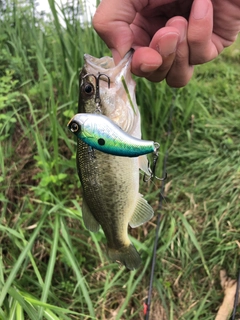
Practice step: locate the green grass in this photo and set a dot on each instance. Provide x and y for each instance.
(51, 267)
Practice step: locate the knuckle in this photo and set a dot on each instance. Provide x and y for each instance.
(99, 23)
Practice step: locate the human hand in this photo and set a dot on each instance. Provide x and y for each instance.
(169, 36)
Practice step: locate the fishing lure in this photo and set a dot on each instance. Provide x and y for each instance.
(101, 133)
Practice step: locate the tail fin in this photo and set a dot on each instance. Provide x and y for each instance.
(128, 256)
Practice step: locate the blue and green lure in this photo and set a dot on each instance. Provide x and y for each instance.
(101, 133)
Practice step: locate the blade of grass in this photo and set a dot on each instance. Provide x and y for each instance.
(195, 242)
(23, 304)
(3, 316)
(80, 278)
(20, 260)
(19, 312)
(48, 308)
(131, 286)
(52, 261)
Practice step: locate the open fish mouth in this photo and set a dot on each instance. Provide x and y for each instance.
(106, 63)
(114, 90)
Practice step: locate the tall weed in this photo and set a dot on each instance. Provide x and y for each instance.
(50, 266)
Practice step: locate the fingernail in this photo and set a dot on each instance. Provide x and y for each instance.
(200, 9)
(172, 45)
(183, 32)
(181, 25)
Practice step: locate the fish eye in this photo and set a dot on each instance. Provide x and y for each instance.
(88, 89)
(74, 127)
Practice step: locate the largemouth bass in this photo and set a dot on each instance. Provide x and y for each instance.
(111, 183)
(101, 133)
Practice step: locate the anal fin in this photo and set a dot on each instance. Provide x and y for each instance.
(89, 221)
(142, 213)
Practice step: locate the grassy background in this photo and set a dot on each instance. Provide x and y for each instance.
(50, 266)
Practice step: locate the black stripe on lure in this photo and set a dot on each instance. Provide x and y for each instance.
(101, 133)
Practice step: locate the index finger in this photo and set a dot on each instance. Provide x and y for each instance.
(112, 22)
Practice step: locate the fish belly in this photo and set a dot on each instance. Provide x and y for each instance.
(110, 190)
(110, 185)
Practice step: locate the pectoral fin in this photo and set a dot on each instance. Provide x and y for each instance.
(144, 164)
(90, 222)
(142, 213)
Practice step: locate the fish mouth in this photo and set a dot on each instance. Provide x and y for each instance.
(107, 65)
(116, 90)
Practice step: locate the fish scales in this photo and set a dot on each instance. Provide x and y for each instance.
(111, 183)
(102, 174)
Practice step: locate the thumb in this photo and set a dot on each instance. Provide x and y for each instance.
(112, 22)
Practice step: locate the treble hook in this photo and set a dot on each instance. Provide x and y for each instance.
(152, 171)
(97, 79)
(97, 96)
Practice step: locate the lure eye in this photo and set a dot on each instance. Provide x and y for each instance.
(101, 141)
(88, 89)
(74, 127)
